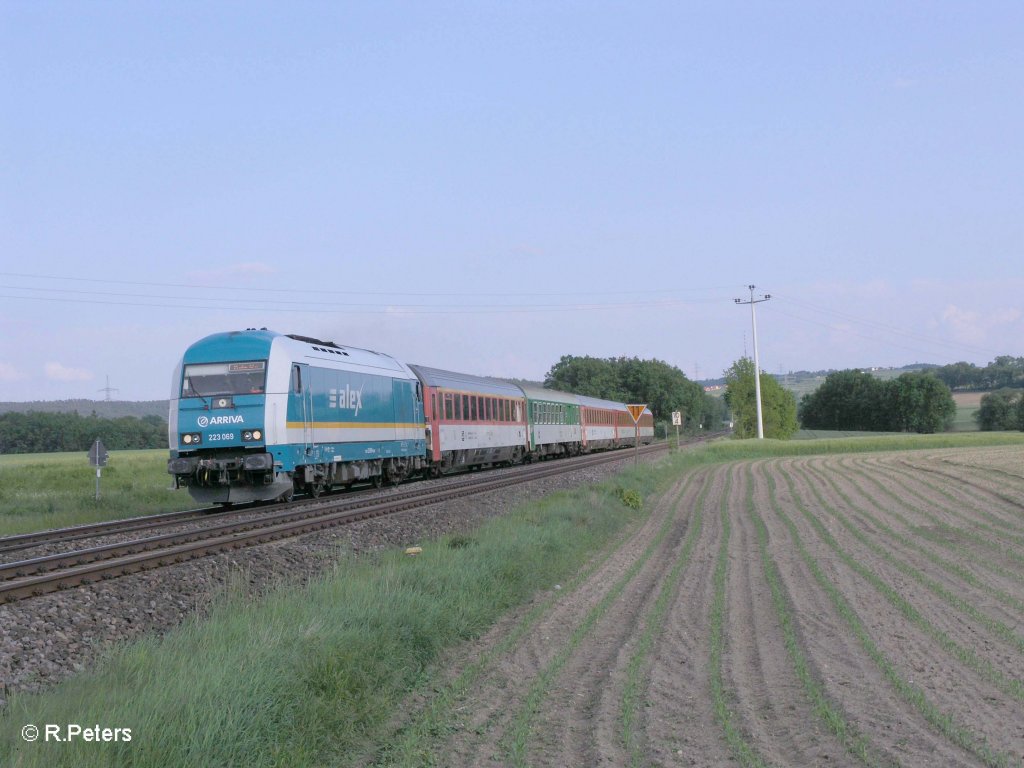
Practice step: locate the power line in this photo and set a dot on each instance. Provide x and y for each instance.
(360, 292)
(394, 309)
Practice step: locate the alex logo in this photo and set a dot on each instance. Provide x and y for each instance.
(347, 399)
(207, 421)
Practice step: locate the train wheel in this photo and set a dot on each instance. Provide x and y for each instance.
(377, 481)
(315, 489)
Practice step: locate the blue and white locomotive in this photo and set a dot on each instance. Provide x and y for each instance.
(256, 415)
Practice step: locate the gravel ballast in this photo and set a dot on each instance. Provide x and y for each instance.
(46, 639)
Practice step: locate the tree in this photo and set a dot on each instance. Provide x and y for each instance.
(1001, 410)
(778, 406)
(35, 432)
(663, 387)
(1004, 371)
(919, 402)
(846, 400)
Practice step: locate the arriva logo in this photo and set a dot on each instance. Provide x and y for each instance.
(347, 398)
(205, 421)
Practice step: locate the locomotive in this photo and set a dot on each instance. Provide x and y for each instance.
(256, 416)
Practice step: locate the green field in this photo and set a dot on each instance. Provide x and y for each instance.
(55, 490)
(966, 404)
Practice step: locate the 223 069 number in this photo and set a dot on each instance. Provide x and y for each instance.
(220, 437)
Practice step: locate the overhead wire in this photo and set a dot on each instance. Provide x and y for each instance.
(507, 303)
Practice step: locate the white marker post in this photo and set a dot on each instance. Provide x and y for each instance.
(677, 419)
(98, 458)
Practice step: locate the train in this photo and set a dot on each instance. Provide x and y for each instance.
(257, 415)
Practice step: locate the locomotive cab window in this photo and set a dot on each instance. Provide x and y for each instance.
(210, 379)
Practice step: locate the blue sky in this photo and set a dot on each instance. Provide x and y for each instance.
(487, 186)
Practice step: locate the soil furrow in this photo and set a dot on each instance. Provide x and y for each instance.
(951, 578)
(771, 702)
(491, 706)
(937, 521)
(978, 709)
(978, 553)
(678, 725)
(579, 720)
(969, 501)
(852, 676)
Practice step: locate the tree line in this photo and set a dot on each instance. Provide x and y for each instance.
(663, 387)
(855, 400)
(1004, 371)
(36, 432)
(1001, 410)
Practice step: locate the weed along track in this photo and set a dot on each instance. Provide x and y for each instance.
(820, 610)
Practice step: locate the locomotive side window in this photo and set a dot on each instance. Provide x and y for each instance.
(296, 379)
(210, 379)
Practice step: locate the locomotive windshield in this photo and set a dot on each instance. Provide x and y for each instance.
(210, 379)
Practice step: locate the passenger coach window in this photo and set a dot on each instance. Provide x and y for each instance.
(448, 414)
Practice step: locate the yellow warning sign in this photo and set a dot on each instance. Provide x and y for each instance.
(636, 411)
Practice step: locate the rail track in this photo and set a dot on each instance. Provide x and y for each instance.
(41, 575)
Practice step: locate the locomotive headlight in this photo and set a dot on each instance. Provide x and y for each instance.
(191, 438)
(251, 435)
(186, 439)
(257, 435)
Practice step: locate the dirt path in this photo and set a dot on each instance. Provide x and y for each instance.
(783, 612)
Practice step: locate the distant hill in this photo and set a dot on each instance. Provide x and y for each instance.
(106, 409)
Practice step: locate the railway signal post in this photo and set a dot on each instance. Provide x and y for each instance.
(98, 458)
(677, 419)
(636, 411)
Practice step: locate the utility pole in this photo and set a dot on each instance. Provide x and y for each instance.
(757, 365)
(108, 389)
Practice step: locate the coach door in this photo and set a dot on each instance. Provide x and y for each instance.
(302, 392)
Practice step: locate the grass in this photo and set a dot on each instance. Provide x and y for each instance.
(966, 404)
(55, 490)
(307, 676)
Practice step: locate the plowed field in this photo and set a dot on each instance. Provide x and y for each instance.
(839, 610)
